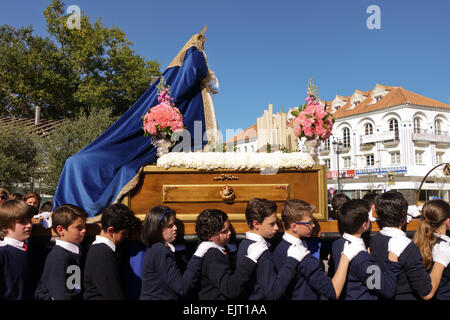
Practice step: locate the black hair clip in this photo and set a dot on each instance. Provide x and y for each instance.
(166, 211)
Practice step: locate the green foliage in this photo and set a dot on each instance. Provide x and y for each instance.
(69, 138)
(90, 68)
(18, 154)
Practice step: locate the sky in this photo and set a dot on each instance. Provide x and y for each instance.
(264, 52)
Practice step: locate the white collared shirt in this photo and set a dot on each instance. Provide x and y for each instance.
(291, 239)
(68, 246)
(352, 239)
(254, 237)
(14, 243)
(101, 239)
(392, 232)
(171, 247)
(222, 249)
(443, 237)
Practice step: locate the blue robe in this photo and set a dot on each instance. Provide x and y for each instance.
(94, 177)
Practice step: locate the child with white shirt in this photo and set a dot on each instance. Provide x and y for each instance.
(311, 282)
(266, 283)
(161, 277)
(365, 280)
(413, 280)
(62, 274)
(102, 271)
(219, 279)
(15, 269)
(434, 244)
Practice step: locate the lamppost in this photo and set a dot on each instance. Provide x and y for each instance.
(337, 148)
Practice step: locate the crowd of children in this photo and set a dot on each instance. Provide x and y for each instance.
(392, 266)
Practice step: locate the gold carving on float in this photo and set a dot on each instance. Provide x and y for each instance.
(224, 177)
(227, 193)
(167, 188)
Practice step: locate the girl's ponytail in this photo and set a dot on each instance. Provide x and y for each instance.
(434, 213)
(425, 240)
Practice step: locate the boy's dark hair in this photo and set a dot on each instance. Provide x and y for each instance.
(120, 217)
(209, 222)
(66, 214)
(156, 220)
(352, 215)
(338, 201)
(46, 207)
(370, 197)
(295, 210)
(391, 208)
(12, 211)
(258, 209)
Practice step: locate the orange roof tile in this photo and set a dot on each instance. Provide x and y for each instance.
(250, 132)
(395, 97)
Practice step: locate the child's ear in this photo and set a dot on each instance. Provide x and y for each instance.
(293, 227)
(365, 226)
(59, 230)
(255, 224)
(110, 230)
(4, 232)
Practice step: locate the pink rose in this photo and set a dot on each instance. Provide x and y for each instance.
(165, 116)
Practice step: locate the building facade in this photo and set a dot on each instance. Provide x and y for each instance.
(387, 138)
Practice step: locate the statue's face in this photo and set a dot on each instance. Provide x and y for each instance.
(203, 40)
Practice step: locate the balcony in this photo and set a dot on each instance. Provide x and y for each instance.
(324, 149)
(431, 136)
(365, 145)
(385, 137)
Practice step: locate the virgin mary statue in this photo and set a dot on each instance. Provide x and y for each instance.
(105, 170)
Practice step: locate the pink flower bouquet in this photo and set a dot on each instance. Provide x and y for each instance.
(312, 119)
(164, 119)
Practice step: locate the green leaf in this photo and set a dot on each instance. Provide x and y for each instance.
(71, 70)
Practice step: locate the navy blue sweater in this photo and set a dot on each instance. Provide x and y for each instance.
(15, 279)
(310, 282)
(413, 280)
(443, 292)
(55, 277)
(265, 283)
(360, 269)
(218, 280)
(161, 277)
(102, 277)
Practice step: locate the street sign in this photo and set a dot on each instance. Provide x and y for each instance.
(331, 190)
(342, 174)
(402, 169)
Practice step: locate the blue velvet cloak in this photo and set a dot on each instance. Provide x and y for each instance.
(94, 177)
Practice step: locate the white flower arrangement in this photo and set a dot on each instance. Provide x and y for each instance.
(236, 161)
